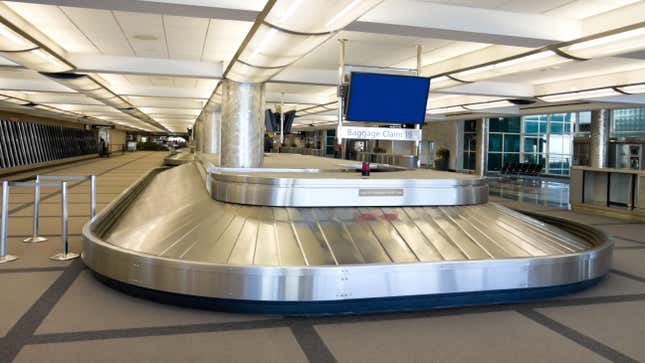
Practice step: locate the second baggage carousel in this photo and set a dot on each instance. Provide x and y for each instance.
(166, 238)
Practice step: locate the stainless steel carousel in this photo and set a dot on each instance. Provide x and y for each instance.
(310, 235)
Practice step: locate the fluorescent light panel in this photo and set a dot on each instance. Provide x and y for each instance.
(633, 89)
(488, 105)
(579, 95)
(445, 110)
(530, 62)
(623, 42)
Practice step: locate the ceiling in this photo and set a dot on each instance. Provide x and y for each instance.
(166, 57)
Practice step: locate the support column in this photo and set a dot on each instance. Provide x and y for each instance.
(242, 125)
(599, 138)
(211, 131)
(482, 147)
(197, 132)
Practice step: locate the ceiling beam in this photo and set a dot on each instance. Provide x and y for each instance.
(33, 85)
(96, 63)
(432, 20)
(491, 88)
(600, 81)
(158, 7)
(153, 91)
(300, 98)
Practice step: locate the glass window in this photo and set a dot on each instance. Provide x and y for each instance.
(531, 127)
(550, 147)
(470, 126)
(628, 122)
(494, 161)
(511, 143)
(531, 145)
(495, 142)
(504, 124)
(511, 158)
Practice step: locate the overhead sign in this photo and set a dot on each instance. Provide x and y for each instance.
(379, 133)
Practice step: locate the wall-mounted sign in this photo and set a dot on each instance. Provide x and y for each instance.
(379, 133)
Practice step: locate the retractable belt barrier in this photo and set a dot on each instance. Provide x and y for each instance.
(35, 238)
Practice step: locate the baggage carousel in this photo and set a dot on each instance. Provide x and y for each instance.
(323, 240)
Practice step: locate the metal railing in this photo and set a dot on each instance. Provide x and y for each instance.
(35, 238)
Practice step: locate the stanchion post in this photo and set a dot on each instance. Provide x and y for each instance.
(92, 196)
(35, 238)
(65, 255)
(4, 257)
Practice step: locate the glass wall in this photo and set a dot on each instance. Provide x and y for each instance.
(470, 144)
(628, 122)
(503, 142)
(559, 143)
(536, 139)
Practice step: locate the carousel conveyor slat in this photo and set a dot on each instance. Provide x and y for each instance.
(184, 222)
(166, 234)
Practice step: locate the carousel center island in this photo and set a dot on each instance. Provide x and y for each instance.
(308, 235)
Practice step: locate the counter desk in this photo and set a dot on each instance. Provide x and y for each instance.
(608, 191)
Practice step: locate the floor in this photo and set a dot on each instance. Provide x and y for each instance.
(57, 312)
(543, 191)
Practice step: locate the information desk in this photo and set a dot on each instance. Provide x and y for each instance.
(607, 191)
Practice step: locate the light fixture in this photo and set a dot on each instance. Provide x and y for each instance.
(90, 87)
(15, 101)
(17, 48)
(542, 59)
(579, 95)
(10, 41)
(445, 110)
(633, 89)
(318, 16)
(488, 105)
(630, 40)
(443, 82)
(38, 60)
(288, 31)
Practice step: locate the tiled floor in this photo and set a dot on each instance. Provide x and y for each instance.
(57, 312)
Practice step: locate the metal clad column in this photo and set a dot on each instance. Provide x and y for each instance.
(599, 137)
(211, 131)
(482, 147)
(199, 140)
(242, 128)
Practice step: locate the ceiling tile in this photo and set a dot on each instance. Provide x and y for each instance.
(186, 37)
(145, 32)
(100, 27)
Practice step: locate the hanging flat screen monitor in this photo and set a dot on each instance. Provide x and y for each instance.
(269, 121)
(387, 98)
(288, 121)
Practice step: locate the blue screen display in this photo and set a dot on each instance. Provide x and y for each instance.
(387, 98)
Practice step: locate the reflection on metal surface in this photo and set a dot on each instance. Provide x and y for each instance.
(184, 242)
(242, 124)
(335, 183)
(180, 158)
